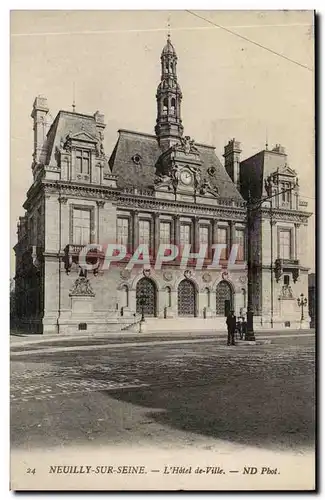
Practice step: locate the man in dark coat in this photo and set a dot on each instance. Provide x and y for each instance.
(231, 326)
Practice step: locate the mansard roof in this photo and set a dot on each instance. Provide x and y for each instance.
(255, 169)
(141, 174)
(72, 123)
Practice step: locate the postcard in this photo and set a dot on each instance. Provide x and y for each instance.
(162, 293)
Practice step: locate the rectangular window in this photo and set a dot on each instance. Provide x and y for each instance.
(285, 244)
(82, 161)
(165, 232)
(144, 232)
(240, 241)
(223, 239)
(81, 226)
(185, 234)
(204, 235)
(286, 194)
(123, 231)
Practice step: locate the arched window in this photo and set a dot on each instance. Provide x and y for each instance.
(172, 106)
(165, 106)
(168, 296)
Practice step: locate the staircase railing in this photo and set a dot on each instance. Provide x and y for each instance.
(130, 325)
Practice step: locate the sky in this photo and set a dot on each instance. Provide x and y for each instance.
(232, 88)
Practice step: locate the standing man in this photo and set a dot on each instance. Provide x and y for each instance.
(231, 326)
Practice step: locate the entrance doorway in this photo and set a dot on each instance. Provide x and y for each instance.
(224, 299)
(146, 296)
(186, 295)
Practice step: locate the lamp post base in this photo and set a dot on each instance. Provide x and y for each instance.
(142, 326)
(249, 335)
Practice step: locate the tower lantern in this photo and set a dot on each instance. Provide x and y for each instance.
(169, 126)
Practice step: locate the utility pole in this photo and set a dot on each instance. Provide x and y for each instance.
(252, 206)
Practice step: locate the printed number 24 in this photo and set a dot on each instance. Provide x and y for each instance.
(31, 471)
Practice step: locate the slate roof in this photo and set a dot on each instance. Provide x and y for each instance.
(254, 170)
(143, 175)
(67, 122)
(129, 144)
(128, 173)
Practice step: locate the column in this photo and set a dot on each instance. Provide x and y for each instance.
(176, 230)
(64, 222)
(232, 235)
(135, 230)
(196, 231)
(214, 231)
(100, 204)
(295, 250)
(214, 236)
(156, 233)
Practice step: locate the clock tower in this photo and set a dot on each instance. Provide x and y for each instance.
(179, 167)
(169, 126)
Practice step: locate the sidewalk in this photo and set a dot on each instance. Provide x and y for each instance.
(127, 337)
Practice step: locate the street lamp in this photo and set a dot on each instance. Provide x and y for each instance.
(142, 301)
(302, 302)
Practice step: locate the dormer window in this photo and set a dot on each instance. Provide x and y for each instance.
(286, 194)
(82, 161)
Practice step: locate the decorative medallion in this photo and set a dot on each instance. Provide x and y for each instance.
(146, 272)
(188, 273)
(243, 279)
(211, 170)
(225, 275)
(125, 274)
(168, 276)
(82, 287)
(206, 277)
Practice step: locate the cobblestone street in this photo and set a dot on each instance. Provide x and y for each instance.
(187, 394)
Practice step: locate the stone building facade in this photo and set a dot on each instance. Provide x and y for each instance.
(152, 189)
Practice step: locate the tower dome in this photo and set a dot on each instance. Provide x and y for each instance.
(169, 48)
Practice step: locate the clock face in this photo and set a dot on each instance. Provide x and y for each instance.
(186, 177)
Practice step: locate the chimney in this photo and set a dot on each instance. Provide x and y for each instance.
(279, 149)
(232, 160)
(39, 112)
(100, 122)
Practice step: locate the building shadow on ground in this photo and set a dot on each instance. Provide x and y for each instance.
(254, 400)
(261, 413)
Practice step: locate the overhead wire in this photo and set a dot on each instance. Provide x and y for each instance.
(249, 40)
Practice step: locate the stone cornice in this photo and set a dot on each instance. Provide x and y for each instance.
(230, 213)
(116, 195)
(286, 215)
